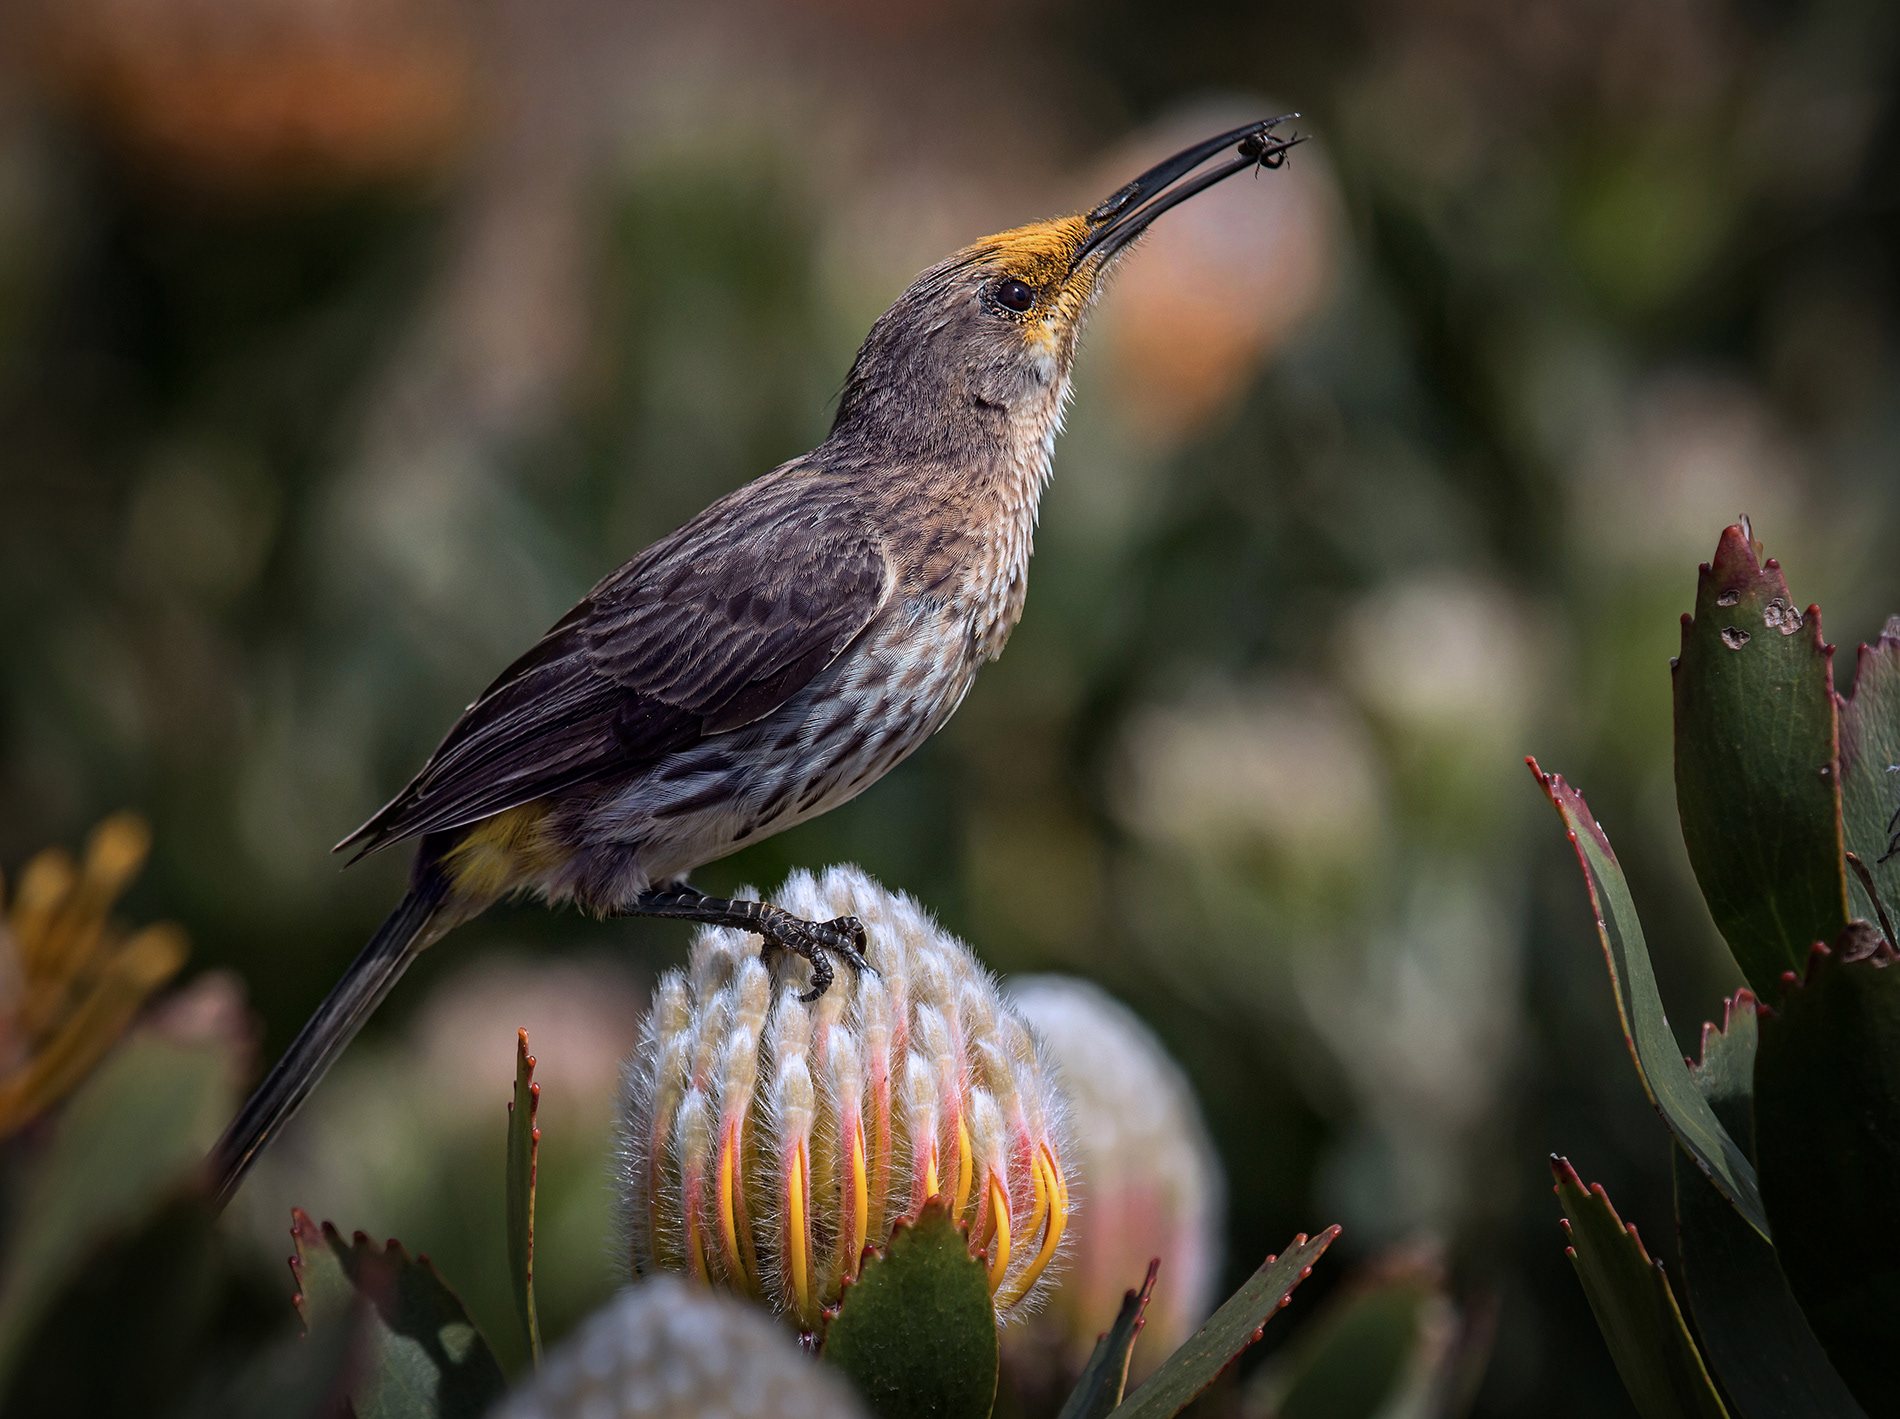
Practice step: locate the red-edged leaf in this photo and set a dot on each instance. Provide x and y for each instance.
(1652, 1044)
(1870, 786)
(1099, 1389)
(423, 1357)
(1634, 1307)
(1230, 1330)
(1385, 1342)
(524, 1142)
(1757, 763)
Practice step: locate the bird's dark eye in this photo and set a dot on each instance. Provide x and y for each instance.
(1014, 295)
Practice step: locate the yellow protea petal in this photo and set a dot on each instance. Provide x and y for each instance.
(1058, 1191)
(728, 1222)
(999, 1216)
(1039, 1206)
(880, 1142)
(966, 1168)
(796, 1221)
(860, 1184)
(742, 1213)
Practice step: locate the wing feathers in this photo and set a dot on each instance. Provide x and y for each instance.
(710, 629)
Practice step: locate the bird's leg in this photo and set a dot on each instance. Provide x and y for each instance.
(842, 936)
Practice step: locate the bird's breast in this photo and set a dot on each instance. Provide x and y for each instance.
(977, 572)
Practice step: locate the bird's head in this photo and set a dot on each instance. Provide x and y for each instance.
(980, 347)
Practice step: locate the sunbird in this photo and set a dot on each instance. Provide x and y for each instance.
(778, 654)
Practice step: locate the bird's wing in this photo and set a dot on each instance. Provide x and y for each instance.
(708, 630)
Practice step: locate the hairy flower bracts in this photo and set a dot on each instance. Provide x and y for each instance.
(767, 1142)
(668, 1350)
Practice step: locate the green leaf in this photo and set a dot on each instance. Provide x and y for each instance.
(1757, 1341)
(1099, 1389)
(1353, 1359)
(132, 1136)
(916, 1331)
(424, 1358)
(1634, 1307)
(524, 1139)
(299, 1377)
(1870, 747)
(1363, 1352)
(1757, 763)
(1230, 1330)
(1827, 1131)
(325, 1292)
(1652, 1044)
(1725, 1074)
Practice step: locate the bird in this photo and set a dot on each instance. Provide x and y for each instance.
(778, 653)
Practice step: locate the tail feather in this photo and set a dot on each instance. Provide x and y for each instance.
(324, 1036)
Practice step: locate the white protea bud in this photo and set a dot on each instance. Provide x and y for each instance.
(766, 1142)
(664, 1349)
(1155, 1186)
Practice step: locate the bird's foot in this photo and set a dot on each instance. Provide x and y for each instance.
(816, 941)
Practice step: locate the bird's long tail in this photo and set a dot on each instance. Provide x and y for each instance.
(354, 999)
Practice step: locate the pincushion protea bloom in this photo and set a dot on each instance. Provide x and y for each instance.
(766, 1141)
(668, 1350)
(1155, 1185)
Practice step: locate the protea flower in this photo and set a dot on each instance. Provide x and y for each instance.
(1155, 1186)
(668, 1350)
(767, 1142)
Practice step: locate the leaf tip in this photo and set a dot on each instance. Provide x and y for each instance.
(1142, 1296)
(1566, 1175)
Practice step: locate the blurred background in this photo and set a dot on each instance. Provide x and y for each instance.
(344, 343)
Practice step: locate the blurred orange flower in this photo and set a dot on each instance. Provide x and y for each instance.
(71, 980)
(265, 93)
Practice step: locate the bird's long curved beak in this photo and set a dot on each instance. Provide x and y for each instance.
(1126, 214)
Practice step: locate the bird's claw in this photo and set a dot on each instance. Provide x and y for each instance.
(817, 941)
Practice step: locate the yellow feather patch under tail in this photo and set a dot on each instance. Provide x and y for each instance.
(504, 852)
